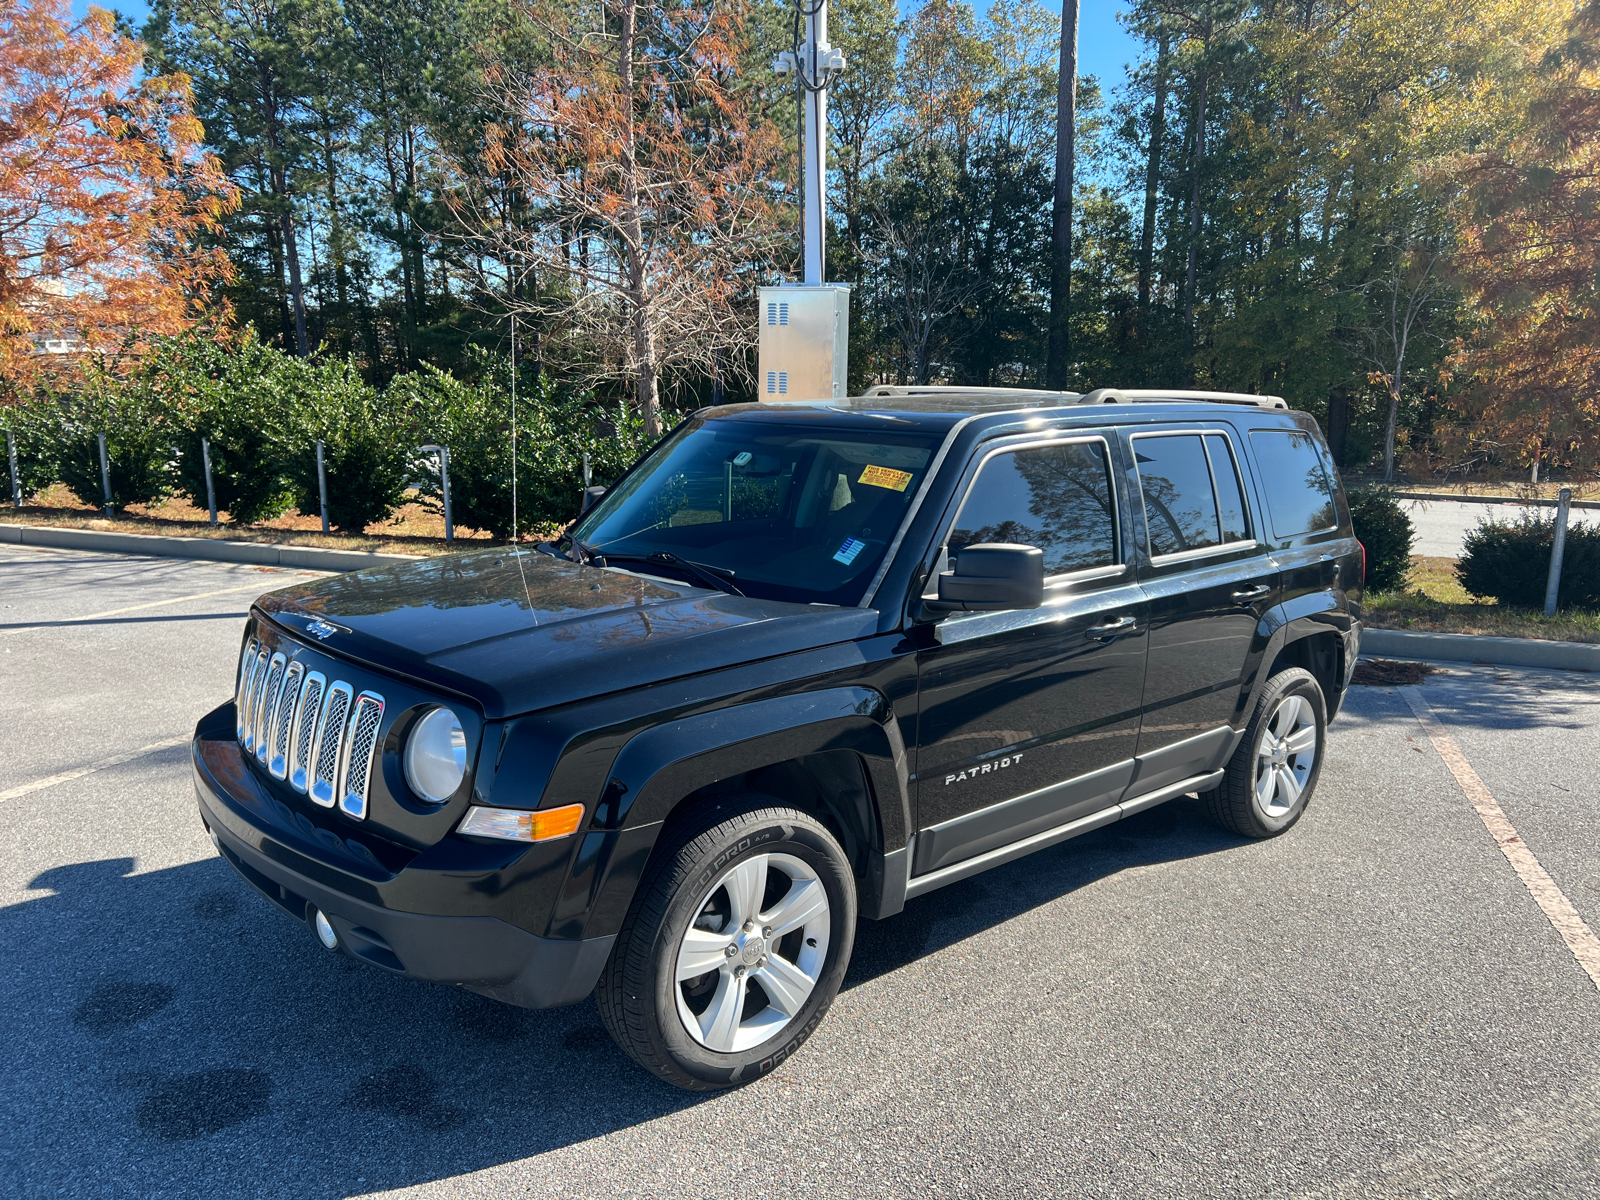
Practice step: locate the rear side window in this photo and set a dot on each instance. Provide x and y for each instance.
(1299, 492)
(1180, 508)
(1230, 493)
(1057, 498)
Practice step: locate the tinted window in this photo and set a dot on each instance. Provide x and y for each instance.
(788, 510)
(1057, 498)
(1299, 494)
(1230, 492)
(1179, 508)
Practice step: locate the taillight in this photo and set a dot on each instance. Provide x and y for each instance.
(1363, 563)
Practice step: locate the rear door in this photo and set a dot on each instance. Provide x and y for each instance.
(1210, 579)
(1030, 718)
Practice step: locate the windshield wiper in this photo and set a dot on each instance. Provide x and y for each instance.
(707, 575)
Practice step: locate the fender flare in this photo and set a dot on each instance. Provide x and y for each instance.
(1294, 621)
(659, 766)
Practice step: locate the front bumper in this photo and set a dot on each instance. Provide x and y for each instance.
(483, 953)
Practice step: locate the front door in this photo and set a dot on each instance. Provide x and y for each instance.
(1210, 578)
(1029, 719)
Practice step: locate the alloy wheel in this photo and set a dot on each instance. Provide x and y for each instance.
(1287, 753)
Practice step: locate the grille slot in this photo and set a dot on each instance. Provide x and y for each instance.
(267, 709)
(283, 720)
(362, 740)
(241, 696)
(305, 729)
(252, 704)
(325, 754)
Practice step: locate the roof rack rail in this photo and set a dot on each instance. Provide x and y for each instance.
(1156, 395)
(953, 389)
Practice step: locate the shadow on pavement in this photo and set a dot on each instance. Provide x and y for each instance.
(217, 1050)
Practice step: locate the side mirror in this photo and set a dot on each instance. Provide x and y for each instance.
(591, 497)
(992, 577)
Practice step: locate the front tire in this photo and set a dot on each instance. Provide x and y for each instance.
(1270, 778)
(734, 947)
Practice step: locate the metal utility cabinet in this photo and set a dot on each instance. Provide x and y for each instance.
(804, 342)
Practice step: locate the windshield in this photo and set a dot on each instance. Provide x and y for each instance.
(782, 512)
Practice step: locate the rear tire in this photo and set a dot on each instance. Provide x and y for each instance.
(1270, 778)
(734, 947)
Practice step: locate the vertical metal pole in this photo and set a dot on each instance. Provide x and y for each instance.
(1557, 551)
(105, 472)
(211, 492)
(444, 482)
(16, 480)
(322, 486)
(586, 475)
(814, 197)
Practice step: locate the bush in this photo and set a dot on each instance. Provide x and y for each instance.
(1510, 561)
(554, 429)
(230, 397)
(367, 438)
(1383, 527)
(139, 440)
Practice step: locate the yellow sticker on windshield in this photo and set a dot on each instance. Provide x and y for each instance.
(885, 477)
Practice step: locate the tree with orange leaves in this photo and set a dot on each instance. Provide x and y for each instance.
(634, 201)
(1530, 266)
(105, 193)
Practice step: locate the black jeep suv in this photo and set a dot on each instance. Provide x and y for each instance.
(802, 663)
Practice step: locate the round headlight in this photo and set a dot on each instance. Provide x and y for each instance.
(436, 756)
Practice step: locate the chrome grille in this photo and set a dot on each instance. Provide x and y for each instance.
(252, 703)
(283, 720)
(247, 670)
(325, 754)
(360, 742)
(305, 729)
(262, 717)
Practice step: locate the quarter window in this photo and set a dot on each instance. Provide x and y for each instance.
(1057, 498)
(1230, 492)
(1299, 492)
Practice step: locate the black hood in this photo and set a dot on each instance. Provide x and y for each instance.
(519, 632)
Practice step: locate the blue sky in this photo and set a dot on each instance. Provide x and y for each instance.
(1104, 47)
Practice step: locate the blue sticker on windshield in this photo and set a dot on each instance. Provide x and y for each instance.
(848, 552)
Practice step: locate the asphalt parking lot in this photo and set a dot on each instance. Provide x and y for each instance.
(1373, 1005)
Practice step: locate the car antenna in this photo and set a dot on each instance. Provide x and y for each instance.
(516, 541)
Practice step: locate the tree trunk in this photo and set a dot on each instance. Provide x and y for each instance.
(1197, 169)
(1338, 422)
(1152, 178)
(1388, 435)
(1060, 348)
(278, 179)
(644, 347)
(296, 290)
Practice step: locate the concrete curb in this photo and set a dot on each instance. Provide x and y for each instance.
(265, 554)
(1511, 500)
(1466, 647)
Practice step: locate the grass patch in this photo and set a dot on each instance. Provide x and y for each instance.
(1433, 601)
(413, 529)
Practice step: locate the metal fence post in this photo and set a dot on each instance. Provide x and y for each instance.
(16, 479)
(1558, 550)
(444, 485)
(322, 486)
(211, 492)
(105, 472)
(586, 478)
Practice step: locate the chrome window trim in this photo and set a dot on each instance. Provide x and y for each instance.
(282, 728)
(1159, 560)
(349, 802)
(1066, 578)
(964, 627)
(299, 771)
(323, 789)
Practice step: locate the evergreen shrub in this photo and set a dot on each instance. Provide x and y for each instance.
(1510, 561)
(1382, 526)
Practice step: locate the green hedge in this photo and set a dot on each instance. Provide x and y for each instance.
(1510, 561)
(1382, 526)
(262, 413)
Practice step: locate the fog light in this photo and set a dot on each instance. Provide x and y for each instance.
(520, 825)
(326, 933)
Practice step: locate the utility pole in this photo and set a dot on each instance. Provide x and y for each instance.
(805, 329)
(1060, 347)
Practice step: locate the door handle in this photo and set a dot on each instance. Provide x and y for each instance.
(1255, 593)
(1112, 629)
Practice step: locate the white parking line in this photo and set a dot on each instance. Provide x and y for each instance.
(1580, 939)
(79, 772)
(116, 612)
